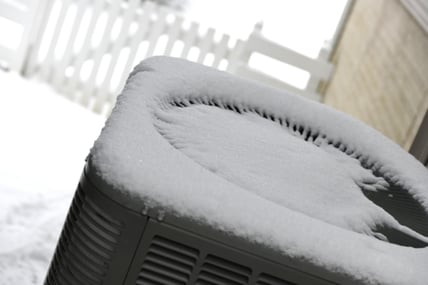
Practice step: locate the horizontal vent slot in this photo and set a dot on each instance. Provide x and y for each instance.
(265, 279)
(216, 270)
(167, 262)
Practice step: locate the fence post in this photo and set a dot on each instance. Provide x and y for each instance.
(89, 91)
(29, 16)
(242, 51)
(143, 25)
(105, 87)
(36, 36)
(314, 80)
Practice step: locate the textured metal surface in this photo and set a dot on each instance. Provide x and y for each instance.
(168, 254)
(105, 243)
(216, 270)
(98, 240)
(167, 262)
(86, 246)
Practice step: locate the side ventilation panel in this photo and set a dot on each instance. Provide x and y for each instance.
(86, 246)
(169, 255)
(167, 262)
(216, 270)
(104, 243)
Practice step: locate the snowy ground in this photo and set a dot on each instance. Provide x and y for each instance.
(44, 141)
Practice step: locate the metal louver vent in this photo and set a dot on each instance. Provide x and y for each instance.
(167, 262)
(265, 279)
(86, 245)
(216, 270)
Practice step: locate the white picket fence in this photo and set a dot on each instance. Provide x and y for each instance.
(86, 48)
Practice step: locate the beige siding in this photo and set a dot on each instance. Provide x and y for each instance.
(382, 69)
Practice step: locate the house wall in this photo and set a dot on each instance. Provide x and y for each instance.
(381, 72)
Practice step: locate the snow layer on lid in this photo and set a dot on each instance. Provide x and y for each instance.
(222, 150)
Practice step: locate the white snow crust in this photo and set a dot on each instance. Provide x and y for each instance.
(44, 141)
(228, 152)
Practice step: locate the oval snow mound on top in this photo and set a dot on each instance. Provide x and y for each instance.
(267, 159)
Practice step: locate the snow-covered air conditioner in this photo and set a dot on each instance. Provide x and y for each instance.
(200, 177)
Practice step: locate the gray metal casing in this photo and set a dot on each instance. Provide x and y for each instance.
(111, 239)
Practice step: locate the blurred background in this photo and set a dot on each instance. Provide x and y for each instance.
(366, 58)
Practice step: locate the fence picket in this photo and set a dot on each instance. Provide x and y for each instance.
(237, 55)
(59, 75)
(118, 45)
(314, 80)
(48, 64)
(205, 45)
(220, 50)
(157, 30)
(143, 27)
(173, 33)
(83, 54)
(113, 13)
(36, 36)
(189, 39)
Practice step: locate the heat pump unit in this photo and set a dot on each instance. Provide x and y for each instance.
(200, 177)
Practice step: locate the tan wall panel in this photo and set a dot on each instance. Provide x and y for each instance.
(381, 72)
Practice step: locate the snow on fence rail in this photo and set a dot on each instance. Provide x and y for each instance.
(86, 48)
